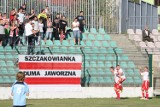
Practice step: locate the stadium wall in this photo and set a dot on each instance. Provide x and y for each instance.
(74, 92)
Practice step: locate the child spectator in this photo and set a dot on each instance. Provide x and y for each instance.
(41, 25)
(49, 29)
(2, 31)
(61, 36)
(19, 91)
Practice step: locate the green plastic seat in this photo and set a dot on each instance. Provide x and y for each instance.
(100, 64)
(97, 44)
(107, 37)
(102, 50)
(93, 64)
(65, 43)
(101, 57)
(119, 51)
(108, 64)
(2, 56)
(123, 64)
(91, 37)
(93, 30)
(2, 49)
(99, 37)
(130, 72)
(87, 64)
(93, 80)
(8, 48)
(89, 43)
(101, 80)
(10, 63)
(110, 51)
(101, 71)
(64, 50)
(129, 80)
(108, 72)
(3, 71)
(82, 43)
(42, 43)
(101, 31)
(6, 79)
(105, 44)
(12, 79)
(110, 58)
(11, 71)
(9, 56)
(3, 64)
(137, 80)
(49, 43)
(131, 65)
(108, 80)
(57, 43)
(94, 57)
(113, 44)
(124, 57)
(95, 50)
(84, 37)
(87, 57)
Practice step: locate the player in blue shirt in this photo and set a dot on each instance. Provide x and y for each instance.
(19, 91)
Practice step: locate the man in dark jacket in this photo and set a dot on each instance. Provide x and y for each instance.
(146, 35)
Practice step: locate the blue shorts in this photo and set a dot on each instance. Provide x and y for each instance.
(76, 34)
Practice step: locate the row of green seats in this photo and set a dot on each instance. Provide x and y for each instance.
(7, 79)
(88, 43)
(8, 71)
(108, 57)
(109, 64)
(109, 80)
(6, 63)
(100, 30)
(96, 37)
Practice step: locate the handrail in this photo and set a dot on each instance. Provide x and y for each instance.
(116, 56)
(147, 52)
(84, 67)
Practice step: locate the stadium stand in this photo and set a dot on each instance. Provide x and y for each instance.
(99, 54)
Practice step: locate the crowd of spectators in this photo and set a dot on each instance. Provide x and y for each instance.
(36, 27)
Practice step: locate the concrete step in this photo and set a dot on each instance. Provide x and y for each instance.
(130, 49)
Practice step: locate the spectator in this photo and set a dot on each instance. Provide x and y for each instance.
(55, 29)
(2, 31)
(43, 16)
(41, 25)
(29, 32)
(81, 21)
(76, 31)
(49, 29)
(63, 24)
(36, 28)
(21, 17)
(47, 10)
(12, 14)
(146, 35)
(23, 7)
(32, 14)
(13, 35)
(61, 36)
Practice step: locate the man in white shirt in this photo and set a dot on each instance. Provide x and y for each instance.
(21, 16)
(145, 82)
(76, 31)
(122, 76)
(29, 32)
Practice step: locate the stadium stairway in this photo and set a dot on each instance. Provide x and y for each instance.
(99, 55)
(130, 49)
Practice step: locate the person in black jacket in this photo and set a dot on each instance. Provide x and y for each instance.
(146, 35)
